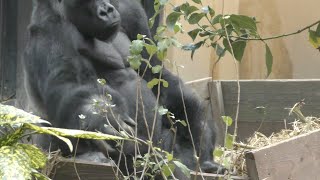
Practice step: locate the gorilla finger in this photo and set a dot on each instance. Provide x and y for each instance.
(126, 128)
(130, 121)
(105, 148)
(107, 129)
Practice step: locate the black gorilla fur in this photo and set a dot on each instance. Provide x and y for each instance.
(72, 43)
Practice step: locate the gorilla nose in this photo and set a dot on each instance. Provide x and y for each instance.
(105, 12)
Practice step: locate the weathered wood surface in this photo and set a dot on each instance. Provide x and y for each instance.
(276, 96)
(211, 93)
(295, 159)
(68, 169)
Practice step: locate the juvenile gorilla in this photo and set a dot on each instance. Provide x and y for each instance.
(72, 44)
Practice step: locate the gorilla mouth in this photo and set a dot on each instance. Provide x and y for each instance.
(115, 23)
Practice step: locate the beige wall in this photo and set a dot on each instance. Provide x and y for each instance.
(294, 57)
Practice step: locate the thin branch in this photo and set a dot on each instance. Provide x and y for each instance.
(279, 36)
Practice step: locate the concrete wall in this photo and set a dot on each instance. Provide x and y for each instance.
(294, 57)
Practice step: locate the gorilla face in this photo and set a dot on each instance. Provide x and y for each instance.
(93, 18)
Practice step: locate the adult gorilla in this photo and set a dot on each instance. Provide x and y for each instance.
(72, 44)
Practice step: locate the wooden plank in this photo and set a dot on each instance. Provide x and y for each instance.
(246, 129)
(274, 95)
(295, 158)
(67, 169)
(217, 106)
(208, 176)
(211, 93)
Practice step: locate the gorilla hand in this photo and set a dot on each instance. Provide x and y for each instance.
(108, 118)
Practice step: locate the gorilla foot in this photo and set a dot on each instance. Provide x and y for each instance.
(212, 167)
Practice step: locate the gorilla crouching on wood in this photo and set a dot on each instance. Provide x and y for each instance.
(73, 43)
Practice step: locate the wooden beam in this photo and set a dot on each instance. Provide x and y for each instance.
(217, 106)
(68, 169)
(295, 158)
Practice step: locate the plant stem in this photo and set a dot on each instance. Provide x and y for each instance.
(279, 36)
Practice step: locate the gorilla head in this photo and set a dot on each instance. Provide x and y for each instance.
(93, 18)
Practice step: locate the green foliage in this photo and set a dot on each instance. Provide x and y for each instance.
(225, 33)
(21, 161)
(165, 166)
(314, 37)
(229, 29)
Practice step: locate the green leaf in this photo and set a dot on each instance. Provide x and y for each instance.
(243, 22)
(37, 157)
(10, 115)
(15, 164)
(156, 69)
(151, 49)
(229, 141)
(194, 33)
(218, 152)
(238, 48)
(136, 47)
(172, 19)
(318, 30)
(165, 83)
(183, 168)
(177, 27)
(12, 138)
(192, 46)
(39, 176)
(190, 9)
(169, 156)
(183, 122)
(195, 18)
(162, 55)
(216, 19)
(153, 83)
(135, 61)
(269, 60)
(167, 169)
(219, 50)
(72, 133)
(211, 12)
(314, 39)
(197, 1)
(227, 120)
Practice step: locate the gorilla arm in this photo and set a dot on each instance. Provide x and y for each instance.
(65, 84)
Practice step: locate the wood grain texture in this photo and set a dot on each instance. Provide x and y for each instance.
(67, 169)
(274, 95)
(297, 158)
